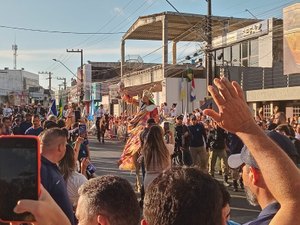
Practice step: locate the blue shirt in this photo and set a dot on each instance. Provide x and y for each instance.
(24, 126)
(266, 215)
(32, 131)
(54, 183)
(197, 133)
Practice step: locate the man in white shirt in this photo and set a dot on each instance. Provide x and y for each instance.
(173, 110)
(100, 112)
(164, 109)
(7, 111)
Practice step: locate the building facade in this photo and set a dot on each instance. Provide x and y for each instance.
(254, 56)
(19, 87)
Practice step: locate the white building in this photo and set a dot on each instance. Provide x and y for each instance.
(15, 84)
(264, 58)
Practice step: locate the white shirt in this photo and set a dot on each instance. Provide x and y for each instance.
(73, 184)
(173, 112)
(7, 112)
(65, 113)
(100, 112)
(165, 111)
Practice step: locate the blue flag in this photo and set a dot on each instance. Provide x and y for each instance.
(91, 114)
(52, 109)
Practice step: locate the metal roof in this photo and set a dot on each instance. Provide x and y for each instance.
(182, 26)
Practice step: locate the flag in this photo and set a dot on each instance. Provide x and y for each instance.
(182, 89)
(60, 109)
(92, 109)
(193, 94)
(52, 109)
(189, 75)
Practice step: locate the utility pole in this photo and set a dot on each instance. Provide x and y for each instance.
(81, 70)
(49, 77)
(64, 83)
(209, 75)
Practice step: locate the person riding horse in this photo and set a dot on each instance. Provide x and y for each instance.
(103, 126)
(99, 114)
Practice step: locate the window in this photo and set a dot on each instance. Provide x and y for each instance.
(244, 49)
(245, 53)
(236, 55)
(227, 55)
(296, 110)
(219, 54)
(253, 52)
(267, 111)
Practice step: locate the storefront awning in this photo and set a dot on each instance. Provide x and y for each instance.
(183, 26)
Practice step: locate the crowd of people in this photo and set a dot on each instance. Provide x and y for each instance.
(178, 159)
(65, 156)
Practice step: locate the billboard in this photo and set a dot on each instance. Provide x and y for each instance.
(291, 39)
(96, 91)
(245, 33)
(87, 81)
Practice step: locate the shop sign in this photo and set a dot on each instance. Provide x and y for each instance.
(253, 30)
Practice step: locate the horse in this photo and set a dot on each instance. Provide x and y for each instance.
(103, 126)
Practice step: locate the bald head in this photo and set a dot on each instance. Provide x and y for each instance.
(280, 118)
(53, 144)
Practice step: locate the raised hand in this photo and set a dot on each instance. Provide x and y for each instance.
(234, 114)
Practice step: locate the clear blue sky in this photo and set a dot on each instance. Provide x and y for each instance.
(36, 49)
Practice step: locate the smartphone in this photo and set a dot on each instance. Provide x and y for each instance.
(91, 169)
(82, 129)
(19, 175)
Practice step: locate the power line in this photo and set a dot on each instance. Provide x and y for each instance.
(90, 43)
(172, 6)
(103, 26)
(60, 32)
(160, 48)
(169, 67)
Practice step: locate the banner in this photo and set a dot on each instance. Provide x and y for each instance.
(291, 39)
(182, 89)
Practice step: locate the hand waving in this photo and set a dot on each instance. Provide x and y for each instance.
(234, 114)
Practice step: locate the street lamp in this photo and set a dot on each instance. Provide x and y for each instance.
(81, 69)
(74, 75)
(56, 60)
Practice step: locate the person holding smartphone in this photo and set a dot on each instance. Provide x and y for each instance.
(53, 215)
(84, 150)
(53, 148)
(72, 178)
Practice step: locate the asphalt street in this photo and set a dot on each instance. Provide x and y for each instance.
(105, 157)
